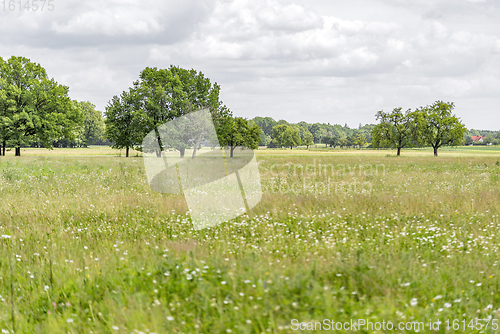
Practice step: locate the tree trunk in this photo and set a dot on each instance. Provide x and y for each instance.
(399, 151)
(126, 154)
(18, 151)
(3, 148)
(158, 153)
(291, 147)
(182, 150)
(232, 150)
(436, 151)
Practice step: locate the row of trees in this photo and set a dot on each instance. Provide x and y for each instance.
(35, 110)
(433, 125)
(162, 95)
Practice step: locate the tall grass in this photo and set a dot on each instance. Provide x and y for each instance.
(86, 246)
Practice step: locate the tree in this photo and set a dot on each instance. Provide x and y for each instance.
(175, 92)
(266, 124)
(489, 139)
(359, 140)
(394, 130)
(343, 142)
(34, 107)
(123, 121)
(469, 141)
(308, 139)
(278, 131)
(238, 132)
(93, 125)
(315, 130)
(290, 137)
(437, 126)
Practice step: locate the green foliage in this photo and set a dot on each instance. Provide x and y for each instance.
(278, 131)
(308, 139)
(395, 130)
(123, 121)
(161, 95)
(290, 137)
(89, 132)
(266, 124)
(359, 140)
(437, 126)
(238, 132)
(34, 107)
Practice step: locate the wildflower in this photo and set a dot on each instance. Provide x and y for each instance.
(69, 320)
(414, 302)
(115, 328)
(223, 282)
(46, 288)
(170, 318)
(447, 305)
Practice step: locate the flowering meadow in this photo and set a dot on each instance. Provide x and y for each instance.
(87, 247)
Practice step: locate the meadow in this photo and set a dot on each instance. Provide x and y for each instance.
(87, 247)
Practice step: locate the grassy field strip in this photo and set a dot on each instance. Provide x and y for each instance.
(86, 246)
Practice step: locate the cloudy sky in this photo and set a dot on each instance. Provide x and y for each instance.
(316, 60)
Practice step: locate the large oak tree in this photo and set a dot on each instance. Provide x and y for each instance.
(33, 107)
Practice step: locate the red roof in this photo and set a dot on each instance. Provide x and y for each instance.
(477, 138)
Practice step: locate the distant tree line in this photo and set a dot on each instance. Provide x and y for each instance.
(430, 126)
(283, 134)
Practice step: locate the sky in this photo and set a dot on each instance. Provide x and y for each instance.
(316, 61)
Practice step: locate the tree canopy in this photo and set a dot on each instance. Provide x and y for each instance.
(160, 96)
(33, 107)
(437, 126)
(396, 129)
(239, 132)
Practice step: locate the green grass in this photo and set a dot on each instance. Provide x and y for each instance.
(86, 246)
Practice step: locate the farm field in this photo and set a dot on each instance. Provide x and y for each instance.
(87, 247)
